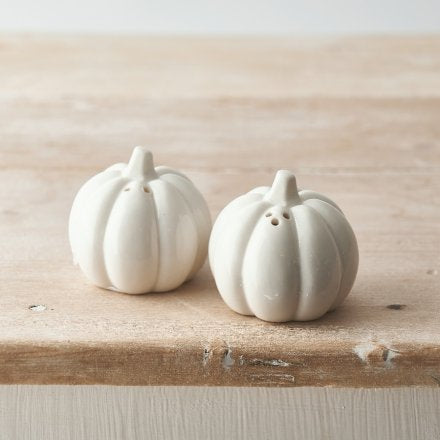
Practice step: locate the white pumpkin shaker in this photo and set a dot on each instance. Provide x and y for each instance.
(135, 228)
(282, 254)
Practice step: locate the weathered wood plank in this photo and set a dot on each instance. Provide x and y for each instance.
(189, 67)
(368, 136)
(315, 134)
(88, 335)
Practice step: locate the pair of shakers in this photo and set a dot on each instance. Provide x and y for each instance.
(277, 253)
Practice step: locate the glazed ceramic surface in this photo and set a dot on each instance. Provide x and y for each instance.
(136, 228)
(282, 254)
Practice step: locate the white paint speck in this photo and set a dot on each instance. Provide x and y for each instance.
(227, 360)
(274, 378)
(390, 355)
(37, 308)
(272, 362)
(206, 356)
(363, 350)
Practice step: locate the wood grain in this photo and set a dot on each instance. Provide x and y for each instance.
(355, 118)
(32, 412)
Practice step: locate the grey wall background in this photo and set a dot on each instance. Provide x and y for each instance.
(221, 17)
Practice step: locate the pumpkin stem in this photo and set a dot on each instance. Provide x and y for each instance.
(141, 164)
(284, 190)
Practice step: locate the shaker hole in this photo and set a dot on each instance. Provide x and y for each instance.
(286, 215)
(146, 189)
(275, 221)
(127, 189)
(268, 214)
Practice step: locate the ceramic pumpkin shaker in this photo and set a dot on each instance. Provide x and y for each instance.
(135, 228)
(282, 254)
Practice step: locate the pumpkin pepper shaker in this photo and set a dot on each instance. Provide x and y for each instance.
(282, 254)
(135, 228)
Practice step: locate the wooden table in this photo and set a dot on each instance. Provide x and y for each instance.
(355, 118)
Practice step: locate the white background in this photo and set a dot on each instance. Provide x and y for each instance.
(221, 17)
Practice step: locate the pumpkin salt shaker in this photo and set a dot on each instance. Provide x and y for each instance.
(135, 228)
(282, 254)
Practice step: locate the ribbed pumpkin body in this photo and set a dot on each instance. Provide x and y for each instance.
(135, 228)
(283, 255)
